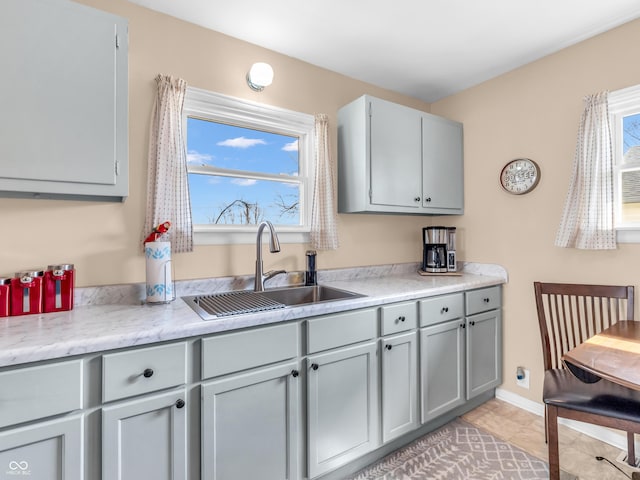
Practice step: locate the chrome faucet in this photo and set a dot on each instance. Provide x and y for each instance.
(274, 247)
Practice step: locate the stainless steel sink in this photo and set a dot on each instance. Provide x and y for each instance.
(293, 296)
(240, 302)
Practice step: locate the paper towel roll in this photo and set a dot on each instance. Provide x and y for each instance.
(158, 266)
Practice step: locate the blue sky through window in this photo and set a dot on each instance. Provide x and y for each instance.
(241, 199)
(631, 131)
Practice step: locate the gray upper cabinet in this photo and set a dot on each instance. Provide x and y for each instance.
(63, 91)
(442, 172)
(395, 159)
(395, 155)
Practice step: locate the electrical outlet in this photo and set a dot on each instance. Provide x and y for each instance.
(524, 381)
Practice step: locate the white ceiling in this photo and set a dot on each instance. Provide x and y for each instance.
(427, 49)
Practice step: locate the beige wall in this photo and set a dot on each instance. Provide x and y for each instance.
(534, 112)
(103, 239)
(531, 112)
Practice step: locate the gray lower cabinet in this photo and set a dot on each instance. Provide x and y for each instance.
(250, 425)
(366, 373)
(399, 360)
(49, 450)
(342, 406)
(145, 438)
(484, 339)
(442, 367)
(484, 352)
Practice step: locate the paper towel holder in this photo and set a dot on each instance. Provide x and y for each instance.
(160, 287)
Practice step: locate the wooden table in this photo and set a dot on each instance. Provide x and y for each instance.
(613, 354)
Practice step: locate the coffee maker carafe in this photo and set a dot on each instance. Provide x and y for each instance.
(439, 249)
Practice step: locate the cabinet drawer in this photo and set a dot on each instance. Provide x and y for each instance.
(398, 318)
(144, 370)
(341, 329)
(233, 352)
(440, 309)
(37, 392)
(483, 299)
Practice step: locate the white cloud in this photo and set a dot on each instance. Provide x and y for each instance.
(244, 182)
(241, 142)
(196, 158)
(291, 147)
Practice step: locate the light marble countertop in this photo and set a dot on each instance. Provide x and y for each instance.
(107, 318)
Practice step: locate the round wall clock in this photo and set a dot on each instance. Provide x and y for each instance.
(520, 176)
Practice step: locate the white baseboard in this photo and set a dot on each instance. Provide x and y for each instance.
(603, 434)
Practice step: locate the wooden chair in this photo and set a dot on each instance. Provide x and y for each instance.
(568, 315)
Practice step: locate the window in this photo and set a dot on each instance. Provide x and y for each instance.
(624, 110)
(247, 162)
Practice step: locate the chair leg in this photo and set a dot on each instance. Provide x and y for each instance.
(546, 430)
(552, 430)
(631, 449)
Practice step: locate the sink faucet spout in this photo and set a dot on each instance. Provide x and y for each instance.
(274, 247)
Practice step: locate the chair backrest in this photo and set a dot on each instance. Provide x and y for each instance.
(569, 314)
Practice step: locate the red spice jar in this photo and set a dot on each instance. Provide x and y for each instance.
(26, 292)
(5, 297)
(58, 288)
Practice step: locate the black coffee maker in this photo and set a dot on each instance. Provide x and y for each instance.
(439, 249)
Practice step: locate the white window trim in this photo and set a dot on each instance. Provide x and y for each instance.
(622, 102)
(244, 113)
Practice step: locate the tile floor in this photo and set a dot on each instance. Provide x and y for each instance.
(526, 430)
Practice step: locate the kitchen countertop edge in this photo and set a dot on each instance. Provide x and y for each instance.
(97, 328)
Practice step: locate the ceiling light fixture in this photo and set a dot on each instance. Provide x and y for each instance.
(260, 76)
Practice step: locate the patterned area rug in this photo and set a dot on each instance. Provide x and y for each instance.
(458, 451)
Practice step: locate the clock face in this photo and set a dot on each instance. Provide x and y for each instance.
(520, 176)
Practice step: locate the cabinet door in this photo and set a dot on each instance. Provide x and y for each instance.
(64, 99)
(399, 385)
(443, 183)
(250, 425)
(145, 438)
(396, 157)
(52, 450)
(484, 352)
(442, 368)
(342, 407)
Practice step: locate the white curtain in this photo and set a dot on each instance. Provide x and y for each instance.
(167, 186)
(587, 221)
(324, 233)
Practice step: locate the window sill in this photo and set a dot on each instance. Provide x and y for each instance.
(628, 235)
(246, 238)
